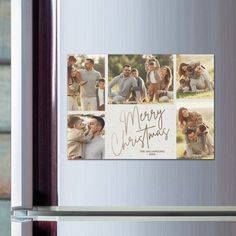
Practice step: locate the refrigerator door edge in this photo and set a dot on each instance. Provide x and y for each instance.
(21, 103)
(21, 228)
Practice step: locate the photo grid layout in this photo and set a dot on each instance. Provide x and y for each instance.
(138, 106)
(195, 106)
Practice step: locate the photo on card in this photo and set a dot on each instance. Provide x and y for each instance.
(144, 120)
(85, 82)
(5, 166)
(195, 130)
(195, 76)
(140, 79)
(85, 136)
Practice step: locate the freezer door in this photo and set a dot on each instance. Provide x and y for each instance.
(21, 228)
(146, 228)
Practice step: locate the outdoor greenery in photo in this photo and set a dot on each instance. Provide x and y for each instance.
(207, 61)
(99, 62)
(99, 65)
(85, 119)
(208, 117)
(116, 62)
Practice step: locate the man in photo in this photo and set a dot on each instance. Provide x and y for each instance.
(194, 78)
(125, 85)
(196, 147)
(95, 149)
(100, 93)
(200, 81)
(88, 97)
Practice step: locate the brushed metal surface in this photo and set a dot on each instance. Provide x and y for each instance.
(132, 228)
(163, 26)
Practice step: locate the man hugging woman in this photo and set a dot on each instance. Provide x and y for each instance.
(86, 83)
(194, 77)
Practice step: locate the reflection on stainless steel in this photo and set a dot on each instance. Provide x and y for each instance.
(137, 228)
(154, 27)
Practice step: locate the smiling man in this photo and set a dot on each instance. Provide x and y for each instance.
(88, 90)
(125, 85)
(95, 149)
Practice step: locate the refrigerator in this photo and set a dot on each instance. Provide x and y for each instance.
(52, 195)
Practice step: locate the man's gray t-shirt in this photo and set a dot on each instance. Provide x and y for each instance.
(95, 149)
(125, 84)
(201, 82)
(92, 77)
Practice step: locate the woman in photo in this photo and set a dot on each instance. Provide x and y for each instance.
(166, 77)
(197, 136)
(184, 80)
(194, 77)
(140, 81)
(74, 81)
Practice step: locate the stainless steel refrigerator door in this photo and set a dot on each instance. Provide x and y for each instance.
(145, 228)
(132, 226)
(163, 26)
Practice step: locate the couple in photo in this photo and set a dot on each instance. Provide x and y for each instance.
(131, 88)
(199, 142)
(85, 140)
(86, 85)
(194, 77)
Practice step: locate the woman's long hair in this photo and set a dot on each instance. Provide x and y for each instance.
(69, 77)
(168, 77)
(181, 71)
(181, 118)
